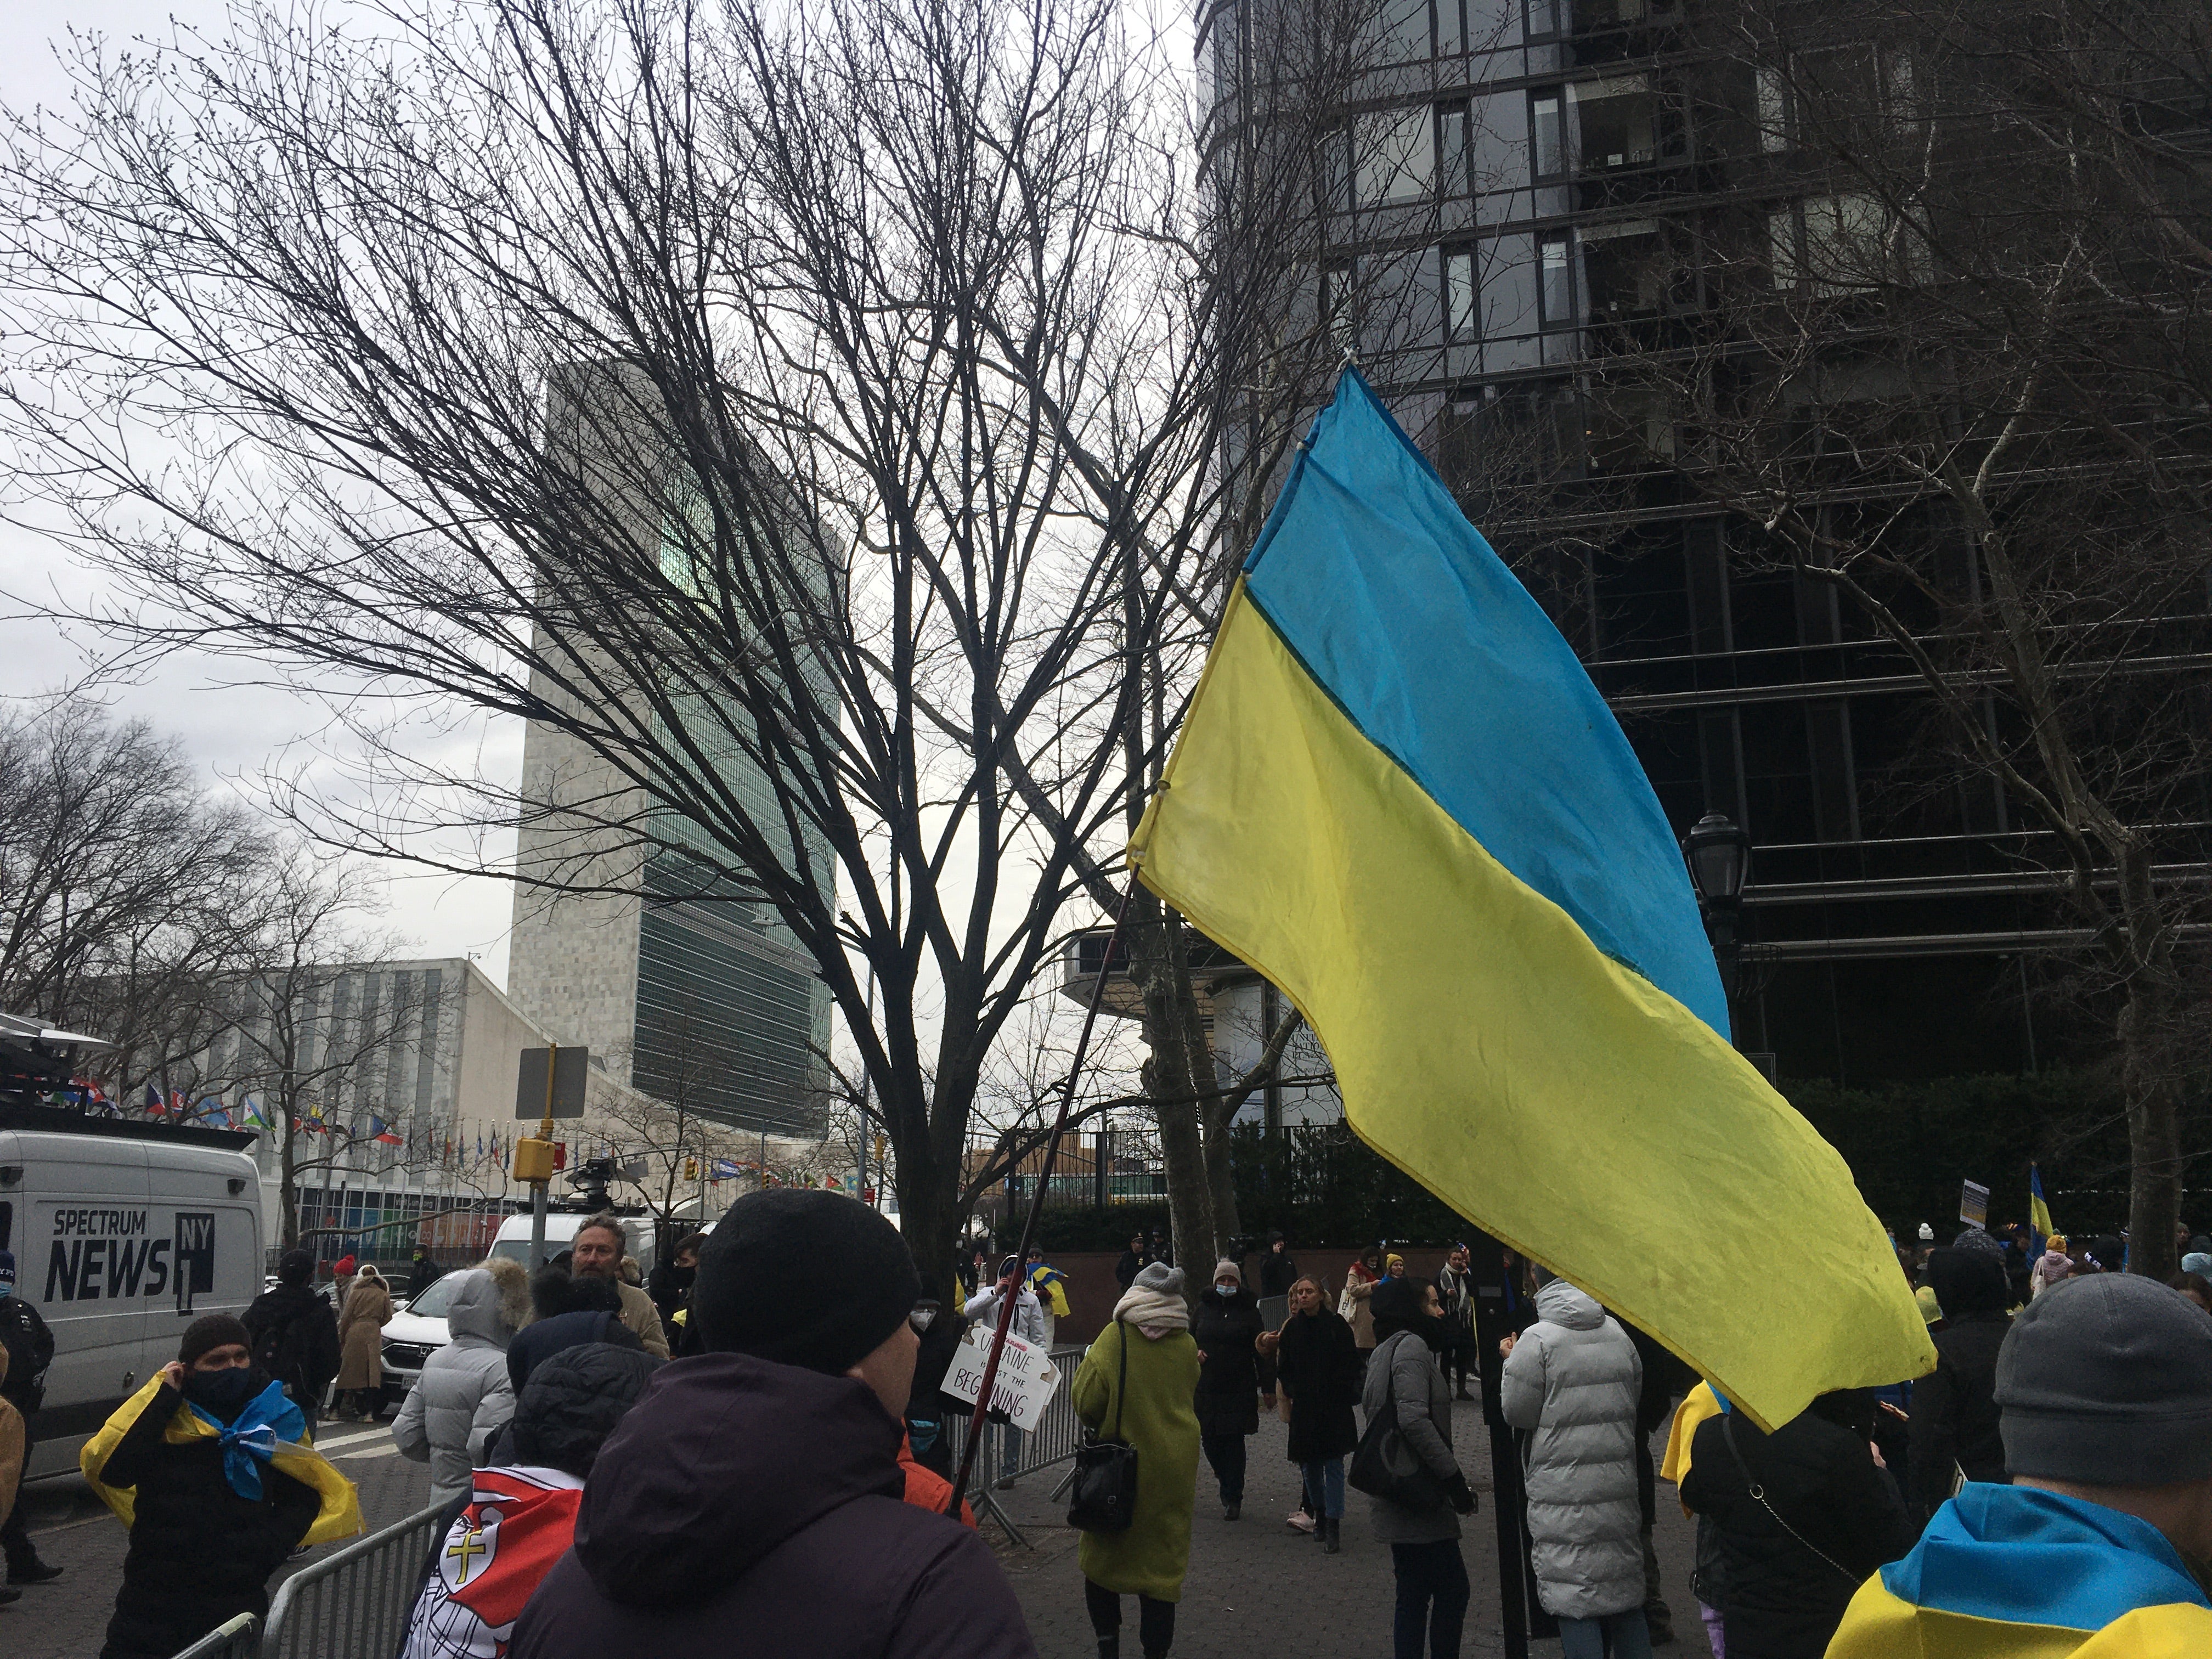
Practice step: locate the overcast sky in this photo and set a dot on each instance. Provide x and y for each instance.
(235, 732)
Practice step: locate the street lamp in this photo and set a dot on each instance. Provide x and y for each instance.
(1719, 856)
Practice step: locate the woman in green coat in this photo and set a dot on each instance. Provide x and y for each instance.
(1152, 1412)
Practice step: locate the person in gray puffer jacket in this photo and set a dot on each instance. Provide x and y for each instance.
(463, 1396)
(1432, 1586)
(1572, 1379)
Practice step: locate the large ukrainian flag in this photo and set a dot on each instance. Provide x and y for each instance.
(1398, 796)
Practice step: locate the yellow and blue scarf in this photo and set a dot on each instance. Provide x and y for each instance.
(2016, 1572)
(263, 1434)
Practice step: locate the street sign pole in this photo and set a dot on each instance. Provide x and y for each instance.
(534, 1155)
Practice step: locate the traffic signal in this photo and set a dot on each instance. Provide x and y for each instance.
(690, 1169)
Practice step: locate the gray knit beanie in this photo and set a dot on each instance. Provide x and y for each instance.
(1166, 1280)
(2106, 1381)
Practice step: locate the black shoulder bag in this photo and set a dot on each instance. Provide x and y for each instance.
(1759, 1496)
(1386, 1465)
(1104, 1497)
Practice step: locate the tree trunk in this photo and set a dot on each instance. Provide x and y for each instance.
(287, 1183)
(1178, 1070)
(930, 1184)
(2154, 1098)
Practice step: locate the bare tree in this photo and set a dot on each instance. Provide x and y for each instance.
(1956, 375)
(665, 1137)
(311, 1033)
(127, 890)
(706, 385)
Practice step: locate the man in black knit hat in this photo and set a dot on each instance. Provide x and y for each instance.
(755, 1487)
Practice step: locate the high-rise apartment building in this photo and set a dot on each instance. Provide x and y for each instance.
(1513, 198)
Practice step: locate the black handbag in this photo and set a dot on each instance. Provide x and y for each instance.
(1385, 1465)
(1104, 1496)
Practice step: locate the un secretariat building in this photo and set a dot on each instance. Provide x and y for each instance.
(703, 1002)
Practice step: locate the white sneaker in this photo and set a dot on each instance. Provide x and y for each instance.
(1300, 1521)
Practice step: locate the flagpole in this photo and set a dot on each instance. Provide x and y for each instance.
(1013, 1295)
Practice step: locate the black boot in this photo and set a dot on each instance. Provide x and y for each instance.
(1109, 1647)
(28, 1569)
(1232, 1510)
(1329, 1545)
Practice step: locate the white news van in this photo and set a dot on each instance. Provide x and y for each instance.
(123, 1233)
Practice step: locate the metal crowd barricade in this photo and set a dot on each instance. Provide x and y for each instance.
(1053, 1440)
(240, 1638)
(353, 1603)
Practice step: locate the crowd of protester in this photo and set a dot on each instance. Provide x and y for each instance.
(2046, 1489)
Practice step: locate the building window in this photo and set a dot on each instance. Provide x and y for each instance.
(1340, 303)
(1405, 30)
(1398, 156)
(1543, 17)
(1774, 110)
(1841, 243)
(1455, 149)
(1593, 15)
(1625, 271)
(1336, 168)
(1615, 124)
(1547, 136)
(1462, 297)
(1555, 288)
(1451, 31)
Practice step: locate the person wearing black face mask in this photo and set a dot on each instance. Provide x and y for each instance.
(929, 1436)
(671, 1281)
(208, 1464)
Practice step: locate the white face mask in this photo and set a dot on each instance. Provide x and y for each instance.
(1226, 1287)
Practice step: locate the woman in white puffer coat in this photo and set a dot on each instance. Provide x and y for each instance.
(463, 1396)
(1572, 1379)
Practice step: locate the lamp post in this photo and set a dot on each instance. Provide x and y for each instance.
(1719, 856)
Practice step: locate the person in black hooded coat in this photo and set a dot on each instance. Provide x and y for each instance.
(1955, 1408)
(1825, 1519)
(295, 1335)
(928, 1408)
(1227, 1326)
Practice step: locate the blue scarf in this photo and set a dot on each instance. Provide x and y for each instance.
(249, 1440)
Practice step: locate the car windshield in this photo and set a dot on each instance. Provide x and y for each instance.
(517, 1249)
(431, 1305)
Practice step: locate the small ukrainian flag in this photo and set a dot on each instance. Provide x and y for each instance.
(2039, 1213)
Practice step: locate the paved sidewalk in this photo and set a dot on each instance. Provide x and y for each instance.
(1258, 1590)
(68, 1618)
(1255, 1590)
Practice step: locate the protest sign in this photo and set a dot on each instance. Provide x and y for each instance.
(1024, 1384)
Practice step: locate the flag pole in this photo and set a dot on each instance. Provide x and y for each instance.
(1007, 1301)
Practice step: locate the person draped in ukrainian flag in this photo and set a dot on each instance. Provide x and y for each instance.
(1051, 1288)
(210, 1468)
(2102, 1545)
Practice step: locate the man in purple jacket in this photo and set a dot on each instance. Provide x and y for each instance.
(751, 1501)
